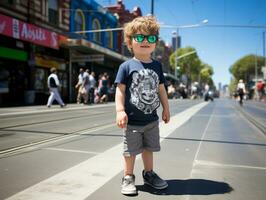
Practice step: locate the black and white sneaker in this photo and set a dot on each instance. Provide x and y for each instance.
(128, 185)
(152, 179)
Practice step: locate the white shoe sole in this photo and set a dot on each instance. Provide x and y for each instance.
(133, 192)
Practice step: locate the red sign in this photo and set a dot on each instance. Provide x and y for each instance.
(23, 31)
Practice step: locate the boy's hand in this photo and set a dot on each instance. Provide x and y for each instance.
(121, 119)
(166, 116)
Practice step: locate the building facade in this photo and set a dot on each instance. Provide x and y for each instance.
(123, 16)
(36, 35)
(30, 31)
(90, 44)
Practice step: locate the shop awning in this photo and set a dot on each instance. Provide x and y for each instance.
(87, 47)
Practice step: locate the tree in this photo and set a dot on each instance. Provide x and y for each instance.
(244, 68)
(191, 65)
(206, 73)
(187, 65)
(233, 85)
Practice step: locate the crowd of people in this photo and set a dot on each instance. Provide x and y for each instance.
(90, 91)
(195, 91)
(256, 92)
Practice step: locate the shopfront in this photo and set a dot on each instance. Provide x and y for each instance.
(27, 52)
(91, 56)
(43, 64)
(13, 71)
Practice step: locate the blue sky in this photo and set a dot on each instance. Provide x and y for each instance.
(218, 47)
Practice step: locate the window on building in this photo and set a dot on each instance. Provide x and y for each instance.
(96, 26)
(53, 9)
(6, 2)
(109, 39)
(78, 21)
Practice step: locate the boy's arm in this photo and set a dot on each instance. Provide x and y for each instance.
(121, 116)
(164, 102)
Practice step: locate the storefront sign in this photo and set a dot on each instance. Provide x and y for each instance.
(88, 58)
(13, 54)
(42, 62)
(23, 31)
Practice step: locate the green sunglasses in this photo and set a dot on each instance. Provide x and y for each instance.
(150, 38)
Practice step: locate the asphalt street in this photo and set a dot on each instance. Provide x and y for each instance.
(209, 150)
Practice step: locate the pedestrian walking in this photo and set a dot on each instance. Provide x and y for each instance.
(92, 87)
(53, 84)
(140, 89)
(103, 89)
(241, 91)
(82, 86)
(260, 89)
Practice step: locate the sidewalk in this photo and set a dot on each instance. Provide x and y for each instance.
(8, 111)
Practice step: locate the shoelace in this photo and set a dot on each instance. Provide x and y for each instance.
(152, 175)
(128, 180)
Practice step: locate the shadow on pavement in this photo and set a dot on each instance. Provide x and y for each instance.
(190, 187)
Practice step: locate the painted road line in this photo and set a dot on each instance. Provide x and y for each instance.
(35, 145)
(48, 110)
(82, 180)
(71, 150)
(215, 164)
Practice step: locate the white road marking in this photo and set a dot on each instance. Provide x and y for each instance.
(198, 149)
(202, 137)
(35, 145)
(48, 110)
(85, 178)
(215, 164)
(71, 150)
(216, 115)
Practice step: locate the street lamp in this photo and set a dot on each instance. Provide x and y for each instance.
(176, 34)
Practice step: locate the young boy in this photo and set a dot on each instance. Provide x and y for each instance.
(140, 89)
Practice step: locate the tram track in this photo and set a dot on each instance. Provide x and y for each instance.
(49, 121)
(20, 148)
(63, 136)
(252, 119)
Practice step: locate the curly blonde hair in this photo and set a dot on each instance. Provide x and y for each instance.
(145, 24)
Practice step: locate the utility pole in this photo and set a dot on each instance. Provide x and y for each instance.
(176, 48)
(263, 38)
(152, 7)
(256, 70)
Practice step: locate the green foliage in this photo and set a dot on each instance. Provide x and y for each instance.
(232, 86)
(205, 74)
(191, 65)
(244, 68)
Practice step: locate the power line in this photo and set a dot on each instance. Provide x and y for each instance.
(184, 26)
(234, 26)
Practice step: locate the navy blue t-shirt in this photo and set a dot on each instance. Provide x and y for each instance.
(142, 90)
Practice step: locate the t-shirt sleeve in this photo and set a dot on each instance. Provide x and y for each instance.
(121, 76)
(161, 76)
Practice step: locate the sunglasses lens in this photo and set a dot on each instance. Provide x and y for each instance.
(139, 38)
(152, 38)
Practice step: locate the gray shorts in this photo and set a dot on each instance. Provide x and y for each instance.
(138, 138)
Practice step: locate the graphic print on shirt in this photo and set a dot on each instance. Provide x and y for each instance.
(144, 90)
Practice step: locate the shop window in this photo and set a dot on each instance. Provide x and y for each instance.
(53, 8)
(40, 79)
(24, 2)
(79, 21)
(6, 2)
(96, 26)
(109, 39)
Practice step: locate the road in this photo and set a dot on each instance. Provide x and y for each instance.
(210, 150)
